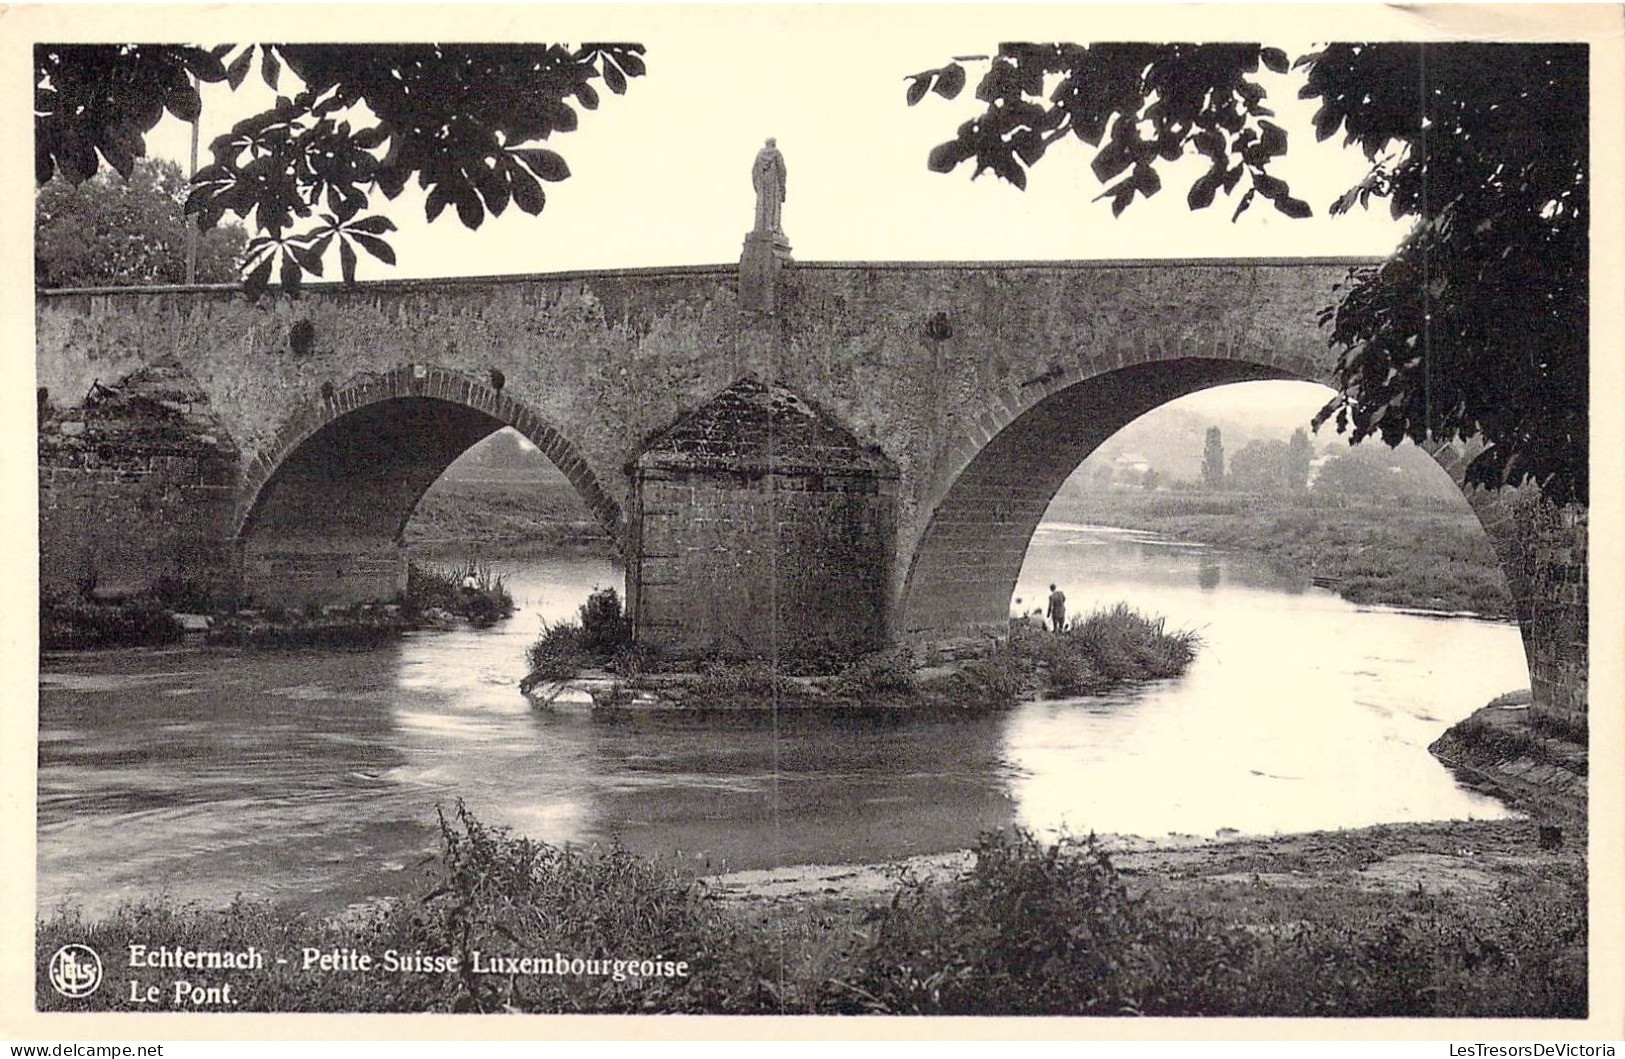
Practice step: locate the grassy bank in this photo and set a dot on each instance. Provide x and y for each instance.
(1093, 654)
(435, 595)
(1031, 928)
(1530, 759)
(1427, 555)
(530, 510)
(67, 624)
(471, 591)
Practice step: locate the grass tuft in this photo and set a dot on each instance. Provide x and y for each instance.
(483, 602)
(1107, 648)
(601, 636)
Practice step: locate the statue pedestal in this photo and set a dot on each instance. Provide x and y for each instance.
(765, 254)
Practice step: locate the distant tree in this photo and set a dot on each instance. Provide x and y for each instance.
(1359, 474)
(1261, 467)
(1151, 480)
(1095, 475)
(113, 232)
(1213, 460)
(1378, 473)
(467, 121)
(1477, 325)
(1299, 455)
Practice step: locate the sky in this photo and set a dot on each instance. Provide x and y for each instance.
(661, 175)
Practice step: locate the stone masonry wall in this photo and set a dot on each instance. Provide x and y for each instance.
(925, 362)
(754, 565)
(135, 487)
(1543, 555)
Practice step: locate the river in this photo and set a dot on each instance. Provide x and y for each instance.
(312, 778)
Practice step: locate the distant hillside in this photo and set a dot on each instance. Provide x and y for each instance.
(504, 490)
(504, 456)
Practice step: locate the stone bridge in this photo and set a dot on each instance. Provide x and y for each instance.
(865, 463)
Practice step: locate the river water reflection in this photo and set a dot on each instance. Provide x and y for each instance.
(313, 778)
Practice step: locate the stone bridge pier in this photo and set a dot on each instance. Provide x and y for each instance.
(859, 460)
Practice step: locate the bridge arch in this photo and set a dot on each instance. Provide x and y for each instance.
(964, 568)
(323, 508)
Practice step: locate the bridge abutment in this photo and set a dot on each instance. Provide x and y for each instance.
(137, 488)
(1542, 548)
(762, 528)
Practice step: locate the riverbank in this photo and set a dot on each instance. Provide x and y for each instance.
(1536, 763)
(530, 512)
(1452, 919)
(436, 596)
(1428, 556)
(1438, 857)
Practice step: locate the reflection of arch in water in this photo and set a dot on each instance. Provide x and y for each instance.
(963, 571)
(323, 510)
(1209, 573)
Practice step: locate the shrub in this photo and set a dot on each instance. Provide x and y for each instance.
(557, 655)
(1052, 929)
(601, 636)
(78, 624)
(604, 629)
(1123, 644)
(486, 602)
(1068, 668)
(1094, 653)
(884, 674)
(494, 892)
(633, 660)
(1031, 930)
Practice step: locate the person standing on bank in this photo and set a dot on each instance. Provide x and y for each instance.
(1057, 608)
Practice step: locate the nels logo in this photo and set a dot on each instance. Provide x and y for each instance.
(75, 971)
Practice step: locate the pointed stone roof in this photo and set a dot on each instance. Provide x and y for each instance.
(757, 426)
(159, 409)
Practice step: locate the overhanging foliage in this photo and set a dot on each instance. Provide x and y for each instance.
(466, 121)
(1476, 326)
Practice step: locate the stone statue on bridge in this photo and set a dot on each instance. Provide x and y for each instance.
(766, 248)
(767, 176)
